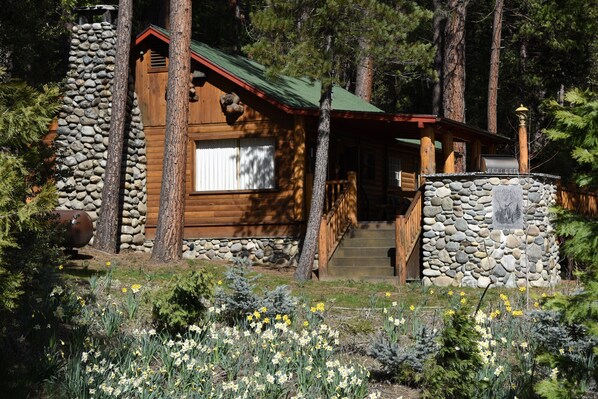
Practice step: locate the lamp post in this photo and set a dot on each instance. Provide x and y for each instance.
(522, 113)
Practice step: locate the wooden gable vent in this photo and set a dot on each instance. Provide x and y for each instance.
(158, 56)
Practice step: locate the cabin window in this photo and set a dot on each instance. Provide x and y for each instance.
(237, 164)
(394, 171)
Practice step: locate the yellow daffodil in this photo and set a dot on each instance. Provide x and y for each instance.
(60, 267)
(108, 264)
(249, 317)
(522, 289)
(135, 288)
(463, 301)
(305, 323)
(450, 293)
(124, 290)
(387, 294)
(462, 293)
(219, 282)
(412, 308)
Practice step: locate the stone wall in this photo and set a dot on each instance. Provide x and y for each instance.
(461, 246)
(282, 251)
(83, 133)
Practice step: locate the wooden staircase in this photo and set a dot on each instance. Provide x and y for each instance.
(366, 252)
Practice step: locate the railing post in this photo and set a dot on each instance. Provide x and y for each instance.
(322, 249)
(400, 262)
(352, 177)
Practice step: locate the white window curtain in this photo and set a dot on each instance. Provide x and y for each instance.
(256, 163)
(243, 164)
(216, 165)
(394, 171)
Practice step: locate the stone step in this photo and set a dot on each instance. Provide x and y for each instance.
(365, 233)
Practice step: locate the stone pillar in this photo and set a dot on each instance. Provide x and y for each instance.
(83, 134)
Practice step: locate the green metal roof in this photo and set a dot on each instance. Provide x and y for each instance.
(299, 93)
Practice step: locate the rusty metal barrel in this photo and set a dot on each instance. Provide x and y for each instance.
(79, 227)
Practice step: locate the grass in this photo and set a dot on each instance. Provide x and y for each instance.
(128, 269)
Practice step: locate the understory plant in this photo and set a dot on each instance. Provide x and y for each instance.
(452, 372)
(238, 298)
(183, 302)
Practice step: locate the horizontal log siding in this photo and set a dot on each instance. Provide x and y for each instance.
(270, 212)
(223, 214)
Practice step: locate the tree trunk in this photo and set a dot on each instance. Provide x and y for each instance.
(437, 23)
(494, 66)
(304, 267)
(453, 72)
(106, 235)
(169, 230)
(365, 72)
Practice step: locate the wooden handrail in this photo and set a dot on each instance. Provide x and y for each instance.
(342, 214)
(407, 230)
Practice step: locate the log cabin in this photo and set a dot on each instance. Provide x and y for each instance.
(250, 161)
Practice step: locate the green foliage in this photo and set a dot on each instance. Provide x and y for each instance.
(320, 39)
(452, 374)
(239, 299)
(183, 302)
(25, 194)
(567, 353)
(576, 127)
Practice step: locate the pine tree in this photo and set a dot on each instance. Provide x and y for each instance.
(25, 193)
(169, 230)
(318, 39)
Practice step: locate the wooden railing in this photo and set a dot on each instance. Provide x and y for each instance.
(340, 215)
(407, 230)
(570, 197)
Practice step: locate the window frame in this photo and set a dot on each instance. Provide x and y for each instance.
(274, 188)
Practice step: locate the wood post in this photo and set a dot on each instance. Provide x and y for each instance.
(322, 249)
(427, 151)
(476, 154)
(448, 153)
(352, 177)
(401, 255)
(523, 154)
(299, 169)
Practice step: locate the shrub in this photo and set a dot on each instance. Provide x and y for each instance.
(239, 299)
(183, 302)
(452, 373)
(567, 353)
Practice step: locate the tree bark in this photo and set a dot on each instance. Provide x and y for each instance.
(169, 229)
(106, 235)
(453, 72)
(437, 23)
(494, 66)
(308, 251)
(365, 72)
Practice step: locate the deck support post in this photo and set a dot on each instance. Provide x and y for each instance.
(401, 255)
(352, 177)
(299, 168)
(427, 151)
(476, 154)
(448, 153)
(322, 249)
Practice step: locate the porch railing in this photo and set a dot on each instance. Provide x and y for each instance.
(572, 198)
(340, 213)
(407, 231)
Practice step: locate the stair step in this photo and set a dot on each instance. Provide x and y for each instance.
(360, 261)
(363, 252)
(349, 242)
(359, 233)
(352, 272)
(375, 226)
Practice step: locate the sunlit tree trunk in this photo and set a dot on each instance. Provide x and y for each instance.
(169, 230)
(494, 66)
(106, 235)
(310, 243)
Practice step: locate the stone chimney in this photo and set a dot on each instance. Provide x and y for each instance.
(84, 124)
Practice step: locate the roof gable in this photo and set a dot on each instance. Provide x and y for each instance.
(293, 95)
